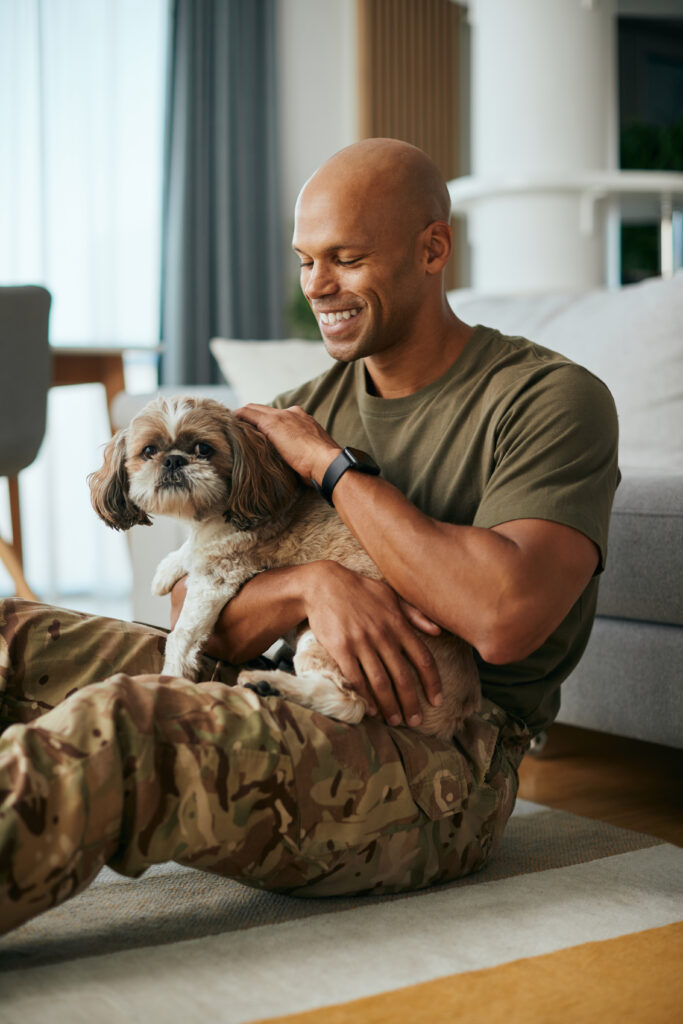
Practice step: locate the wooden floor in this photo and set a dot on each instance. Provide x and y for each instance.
(625, 782)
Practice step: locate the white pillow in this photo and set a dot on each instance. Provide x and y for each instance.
(631, 337)
(258, 371)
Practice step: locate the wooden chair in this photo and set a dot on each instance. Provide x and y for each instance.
(25, 370)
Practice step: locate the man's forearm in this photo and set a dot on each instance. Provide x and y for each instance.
(266, 607)
(490, 586)
(444, 573)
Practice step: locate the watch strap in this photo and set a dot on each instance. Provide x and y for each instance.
(348, 458)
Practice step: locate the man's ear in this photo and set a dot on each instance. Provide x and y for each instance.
(438, 243)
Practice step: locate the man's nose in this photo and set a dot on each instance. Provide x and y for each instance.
(319, 281)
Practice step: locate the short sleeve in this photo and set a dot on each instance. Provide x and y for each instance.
(555, 455)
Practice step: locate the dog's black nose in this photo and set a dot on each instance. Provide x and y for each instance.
(174, 461)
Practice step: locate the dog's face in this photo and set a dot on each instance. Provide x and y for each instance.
(190, 458)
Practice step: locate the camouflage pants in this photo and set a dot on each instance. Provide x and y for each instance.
(102, 761)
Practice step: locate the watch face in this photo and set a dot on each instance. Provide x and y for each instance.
(362, 460)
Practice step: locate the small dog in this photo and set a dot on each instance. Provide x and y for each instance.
(193, 459)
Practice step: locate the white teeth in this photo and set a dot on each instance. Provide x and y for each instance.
(334, 318)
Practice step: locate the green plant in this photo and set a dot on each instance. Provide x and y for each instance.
(651, 147)
(646, 147)
(301, 322)
(639, 252)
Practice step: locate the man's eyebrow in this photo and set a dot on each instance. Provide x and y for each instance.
(333, 248)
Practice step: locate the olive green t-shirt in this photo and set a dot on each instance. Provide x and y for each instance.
(510, 431)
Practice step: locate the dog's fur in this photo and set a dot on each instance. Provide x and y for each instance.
(193, 459)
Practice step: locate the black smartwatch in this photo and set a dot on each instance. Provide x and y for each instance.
(348, 458)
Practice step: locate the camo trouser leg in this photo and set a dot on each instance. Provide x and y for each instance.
(140, 769)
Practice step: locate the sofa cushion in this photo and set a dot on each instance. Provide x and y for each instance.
(642, 579)
(260, 370)
(632, 338)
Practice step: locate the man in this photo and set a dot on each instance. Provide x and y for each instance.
(489, 519)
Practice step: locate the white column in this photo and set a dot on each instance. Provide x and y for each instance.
(543, 107)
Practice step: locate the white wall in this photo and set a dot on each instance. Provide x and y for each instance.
(318, 90)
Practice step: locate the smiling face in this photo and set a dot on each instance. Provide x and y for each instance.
(358, 276)
(362, 231)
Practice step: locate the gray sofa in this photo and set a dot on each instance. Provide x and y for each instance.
(630, 680)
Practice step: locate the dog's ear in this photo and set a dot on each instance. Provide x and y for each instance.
(109, 489)
(262, 485)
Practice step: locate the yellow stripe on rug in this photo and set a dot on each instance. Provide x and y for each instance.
(635, 977)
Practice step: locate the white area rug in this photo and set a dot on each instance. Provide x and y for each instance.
(187, 946)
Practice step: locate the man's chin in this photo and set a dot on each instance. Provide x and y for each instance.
(349, 349)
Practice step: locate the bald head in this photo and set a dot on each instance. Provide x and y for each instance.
(382, 177)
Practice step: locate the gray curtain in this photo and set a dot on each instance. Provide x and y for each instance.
(221, 262)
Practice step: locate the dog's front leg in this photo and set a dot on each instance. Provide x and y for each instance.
(201, 608)
(170, 569)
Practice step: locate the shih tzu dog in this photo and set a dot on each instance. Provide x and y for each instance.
(193, 459)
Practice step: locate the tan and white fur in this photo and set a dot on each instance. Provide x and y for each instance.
(249, 512)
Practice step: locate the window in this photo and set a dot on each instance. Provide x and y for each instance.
(81, 129)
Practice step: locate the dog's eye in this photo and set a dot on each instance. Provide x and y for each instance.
(148, 451)
(203, 450)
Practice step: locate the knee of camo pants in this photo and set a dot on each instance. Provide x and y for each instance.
(133, 771)
(48, 653)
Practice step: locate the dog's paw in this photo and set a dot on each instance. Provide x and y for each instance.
(165, 578)
(260, 681)
(313, 690)
(164, 583)
(180, 668)
(262, 688)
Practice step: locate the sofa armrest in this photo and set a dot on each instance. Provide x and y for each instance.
(642, 579)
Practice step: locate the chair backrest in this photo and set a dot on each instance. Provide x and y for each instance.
(25, 371)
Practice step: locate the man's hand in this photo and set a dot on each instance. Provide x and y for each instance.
(368, 630)
(299, 439)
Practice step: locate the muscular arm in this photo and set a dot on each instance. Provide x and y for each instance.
(504, 590)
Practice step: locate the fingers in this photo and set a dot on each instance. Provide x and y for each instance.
(299, 439)
(395, 689)
(371, 635)
(422, 661)
(253, 413)
(355, 676)
(419, 619)
(385, 680)
(388, 676)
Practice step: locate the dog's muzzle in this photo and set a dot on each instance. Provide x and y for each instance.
(174, 472)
